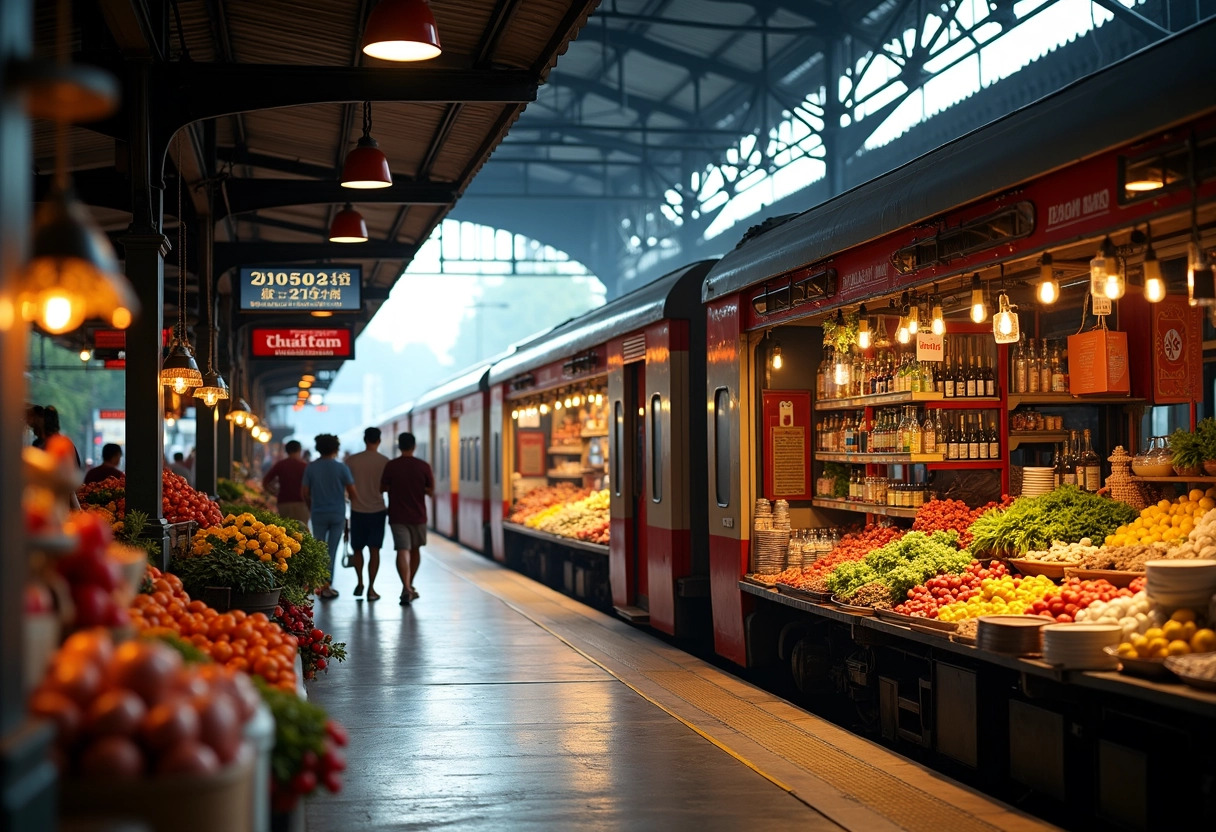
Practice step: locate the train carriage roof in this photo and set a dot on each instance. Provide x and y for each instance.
(1162, 85)
(469, 381)
(655, 301)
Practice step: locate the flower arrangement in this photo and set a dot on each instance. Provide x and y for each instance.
(246, 535)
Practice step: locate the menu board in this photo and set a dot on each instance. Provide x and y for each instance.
(301, 289)
(787, 453)
(532, 453)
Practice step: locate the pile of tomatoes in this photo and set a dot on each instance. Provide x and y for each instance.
(314, 770)
(925, 600)
(234, 639)
(93, 577)
(181, 503)
(135, 710)
(317, 648)
(1075, 595)
(943, 515)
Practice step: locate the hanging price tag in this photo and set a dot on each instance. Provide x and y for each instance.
(1102, 306)
(929, 347)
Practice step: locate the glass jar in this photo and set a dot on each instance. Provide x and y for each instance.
(1156, 461)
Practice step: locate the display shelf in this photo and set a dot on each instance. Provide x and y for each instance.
(864, 508)
(880, 400)
(591, 434)
(564, 475)
(1036, 437)
(573, 543)
(966, 465)
(877, 459)
(566, 450)
(964, 403)
(1060, 399)
(1175, 480)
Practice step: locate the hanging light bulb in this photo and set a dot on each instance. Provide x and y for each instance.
(239, 413)
(903, 335)
(599, 399)
(1113, 285)
(979, 309)
(863, 328)
(842, 371)
(778, 362)
(1204, 291)
(1100, 268)
(544, 409)
(179, 370)
(366, 166)
(1154, 286)
(401, 30)
(348, 226)
(938, 324)
(913, 317)
(1049, 287)
(515, 415)
(86, 355)
(1006, 327)
(557, 404)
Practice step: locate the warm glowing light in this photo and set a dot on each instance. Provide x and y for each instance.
(1154, 286)
(979, 311)
(1049, 291)
(863, 333)
(841, 376)
(599, 399)
(1114, 286)
(180, 385)
(557, 405)
(515, 415)
(544, 409)
(778, 361)
(120, 318)
(59, 311)
(1005, 324)
(322, 313)
(641, 411)
(239, 419)
(576, 400)
(210, 397)
(913, 320)
(85, 355)
(903, 335)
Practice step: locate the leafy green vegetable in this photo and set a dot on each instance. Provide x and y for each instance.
(308, 568)
(299, 726)
(840, 474)
(1066, 514)
(224, 567)
(902, 564)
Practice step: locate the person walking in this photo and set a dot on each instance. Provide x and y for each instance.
(326, 484)
(111, 455)
(367, 512)
(284, 479)
(408, 482)
(179, 467)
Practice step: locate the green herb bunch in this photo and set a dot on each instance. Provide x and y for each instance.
(224, 567)
(902, 564)
(840, 473)
(1066, 514)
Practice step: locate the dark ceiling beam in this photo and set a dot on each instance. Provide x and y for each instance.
(286, 225)
(258, 194)
(644, 107)
(263, 253)
(136, 32)
(690, 23)
(697, 65)
(100, 187)
(218, 13)
(279, 164)
(575, 128)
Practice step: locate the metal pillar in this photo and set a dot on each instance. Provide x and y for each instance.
(27, 777)
(145, 247)
(205, 424)
(223, 442)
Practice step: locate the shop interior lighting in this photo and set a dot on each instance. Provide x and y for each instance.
(557, 404)
(1154, 285)
(1105, 281)
(938, 322)
(86, 355)
(544, 409)
(348, 226)
(913, 317)
(179, 369)
(401, 30)
(214, 389)
(239, 412)
(1006, 327)
(308, 377)
(305, 384)
(366, 167)
(1049, 288)
(979, 309)
(515, 415)
(599, 399)
(1201, 278)
(1150, 178)
(863, 328)
(775, 359)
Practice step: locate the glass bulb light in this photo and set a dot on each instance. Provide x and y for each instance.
(86, 355)
(979, 311)
(938, 325)
(1049, 287)
(1154, 286)
(544, 409)
(903, 335)
(180, 386)
(211, 397)
(557, 405)
(842, 374)
(514, 415)
(1114, 286)
(913, 319)
(1006, 328)
(863, 334)
(778, 361)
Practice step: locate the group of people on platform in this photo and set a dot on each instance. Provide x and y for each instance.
(316, 492)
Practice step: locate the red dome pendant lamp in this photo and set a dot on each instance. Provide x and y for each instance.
(366, 166)
(348, 227)
(401, 30)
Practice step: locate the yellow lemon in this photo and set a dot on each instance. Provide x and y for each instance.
(1178, 648)
(1153, 633)
(1158, 647)
(1196, 495)
(1204, 641)
(1188, 630)
(1183, 614)
(1172, 631)
(1127, 651)
(1211, 492)
(1163, 504)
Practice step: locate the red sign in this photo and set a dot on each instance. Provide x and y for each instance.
(1171, 370)
(116, 364)
(111, 414)
(110, 339)
(787, 444)
(303, 342)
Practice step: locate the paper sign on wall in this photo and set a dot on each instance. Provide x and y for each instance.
(930, 347)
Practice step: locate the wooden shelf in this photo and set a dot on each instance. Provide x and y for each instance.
(964, 403)
(558, 475)
(864, 508)
(876, 459)
(967, 465)
(566, 450)
(1064, 399)
(1175, 480)
(593, 435)
(882, 399)
(1036, 437)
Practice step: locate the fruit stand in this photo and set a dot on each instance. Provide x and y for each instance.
(1116, 669)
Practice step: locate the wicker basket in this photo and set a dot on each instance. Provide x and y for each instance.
(1123, 488)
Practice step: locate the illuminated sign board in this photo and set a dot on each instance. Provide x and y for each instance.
(303, 342)
(301, 289)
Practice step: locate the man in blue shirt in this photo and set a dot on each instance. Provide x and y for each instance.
(326, 485)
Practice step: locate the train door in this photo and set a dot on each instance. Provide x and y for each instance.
(639, 566)
(455, 467)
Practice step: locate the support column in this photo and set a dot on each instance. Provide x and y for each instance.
(27, 777)
(204, 457)
(144, 248)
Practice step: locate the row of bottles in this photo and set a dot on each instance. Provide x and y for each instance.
(883, 491)
(967, 437)
(1040, 369)
(902, 431)
(967, 370)
(1077, 464)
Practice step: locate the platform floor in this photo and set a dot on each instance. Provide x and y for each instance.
(494, 702)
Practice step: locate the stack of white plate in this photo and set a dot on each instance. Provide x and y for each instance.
(1015, 635)
(769, 551)
(1036, 481)
(1081, 646)
(1181, 583)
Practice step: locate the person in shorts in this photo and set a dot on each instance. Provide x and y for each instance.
(326, 485)
(408, 482)
(367, 512)
(283, 480)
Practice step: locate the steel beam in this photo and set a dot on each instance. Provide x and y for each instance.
(229, 255)
(259, 194)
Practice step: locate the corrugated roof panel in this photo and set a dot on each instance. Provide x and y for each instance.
(197, 29)
(281, 32)
(86, 149)
(698, 41)
(309, 134)
(529, 31)
(651, 78)
(461, 24)
(465, 139)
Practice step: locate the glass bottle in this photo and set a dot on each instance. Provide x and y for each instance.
(990, 377)
(850, 435)
(982, 439)
(914, 434)
(1058, 384)
(994, 441)
(947, 377)
(972, 377)
(973, 441)
(1019, 369)
(1032, 369)
(1057, 467)
(1091, 466)
(1044, 369)
(820, 378)
(951, 440)
(1070, 461)
(928, 434)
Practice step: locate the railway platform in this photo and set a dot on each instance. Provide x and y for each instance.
(494, 702)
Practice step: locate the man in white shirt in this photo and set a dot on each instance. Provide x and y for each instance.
(368, 513)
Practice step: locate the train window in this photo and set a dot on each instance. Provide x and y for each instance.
(656, 448)
(496, 463)
(722, 416)
(618, 423)
(477, 459)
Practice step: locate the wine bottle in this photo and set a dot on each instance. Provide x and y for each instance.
(990, 378)
(928, 434)
(971, 377)
(952, 440)
(973, 442)
(994, 441)
(1091, 466)
(1044, 370)
(1057, 467)
(1070, 461)
(947, 378)
(1019, 369)
(982, 437)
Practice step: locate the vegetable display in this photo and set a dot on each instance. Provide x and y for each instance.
(942, 515)
(306, 753)
(179, 501)
(1165, 522)
(853, 546)
(317, 648)
(901, 564)
(927, 599)
(1067, 514)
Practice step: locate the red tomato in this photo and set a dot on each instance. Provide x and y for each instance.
(116, 711)
(170, 723)
(53, 705)
(188, 757)
(75, 677)
(112, 758)
(94, 605)
(220, 725)
(146, 668)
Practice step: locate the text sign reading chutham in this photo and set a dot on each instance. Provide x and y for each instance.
(303, 342)
(328, 289)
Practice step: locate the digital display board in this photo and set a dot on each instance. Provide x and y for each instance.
(301, 289)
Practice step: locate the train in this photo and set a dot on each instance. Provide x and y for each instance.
(689, 404)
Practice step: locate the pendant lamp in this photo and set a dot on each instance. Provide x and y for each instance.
(1049, 287)
(179, 370)
(213, 389)
(401, 30)
(348, 226)
(979, 309)
(863, 328)
(239, 412)
(366, 166)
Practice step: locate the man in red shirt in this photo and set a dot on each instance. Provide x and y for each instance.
(289, 472)
(111, 454)
(408, 481)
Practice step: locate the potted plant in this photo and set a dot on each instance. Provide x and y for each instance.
(225, 578)
(1187, 451)
(1206, 430)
